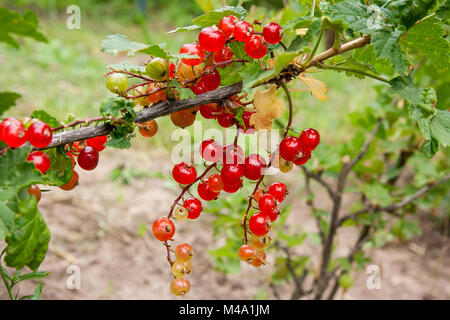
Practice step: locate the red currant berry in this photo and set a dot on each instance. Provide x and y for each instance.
(226, 119)
(259, 224)
(231, 173)
(233, 154)
(258, 194)
(255, 47)
(223, 55)
(247, 253)
(75, 148)
(210, 81)
(198, 88)
(40, 159)
(260, 259)
(254, 166)
(184, 252)
(243, 31)
(205, 192)
(246, 117)
(88, 158)
(208, 110)
(13, 133)
(215, 183)
(211, 39)
(39, 134)
(309, 139)
(180, 286)
(163, 229)
(194, 207)
(272, 33)
(232, 188)
(289, 148)
(303, 158)
(210, 150)
(98, 143)
(184, 173)
(267, 204)
(227, 24)
(192, 49)
(278, 190)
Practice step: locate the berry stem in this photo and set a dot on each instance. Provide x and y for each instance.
(135, 75)
(288, 94)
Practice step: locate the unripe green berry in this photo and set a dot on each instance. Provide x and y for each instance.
(117, 82)
(156, 69)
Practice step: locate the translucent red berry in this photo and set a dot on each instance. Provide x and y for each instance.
(289, 148)
(194, 207)
(267, 203)
(215, 183)
(226, 119)
(88, 158)
(210, 150)
(208, 110)
(254, 166)
(231, 173)
(211, 39)
(205, 192)
(259, 224)
(246, 117)
(184, 173)
(163, 229)
(39, 134)
(247, 253)
(243, 31)
(255, 47)
(227, 24)
(232, 188)
(260, 259)
(303, 157)
(233, 154)
(41, 160)
(98, 143)
(309, 139)
(184, 252)
(208, 82)
(225, 54)
(13, 133)
(272, 33)
(192, 49)
(180, 286)
(278, 190)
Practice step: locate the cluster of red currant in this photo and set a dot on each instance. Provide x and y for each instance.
(15, 133)
(297, 150)
(230, 28)
(87, 154)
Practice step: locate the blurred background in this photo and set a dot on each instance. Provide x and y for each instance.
(103, 226)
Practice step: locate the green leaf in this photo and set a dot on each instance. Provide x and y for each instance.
(283, 60)
(7, 100)
(37, 292)
(115, 43)
(120, 137)
(45, 117)
(440, 127)
(428, 38)
(14, 23)
(155, 50)
(182, 29)
(429, 147)
(377, 194)
(214, 17)
(29, 237)
(33, 275)
(404, 86)
(112, 106)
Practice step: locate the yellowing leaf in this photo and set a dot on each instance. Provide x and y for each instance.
(301, 31)
(268, 107)
(318, 88)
